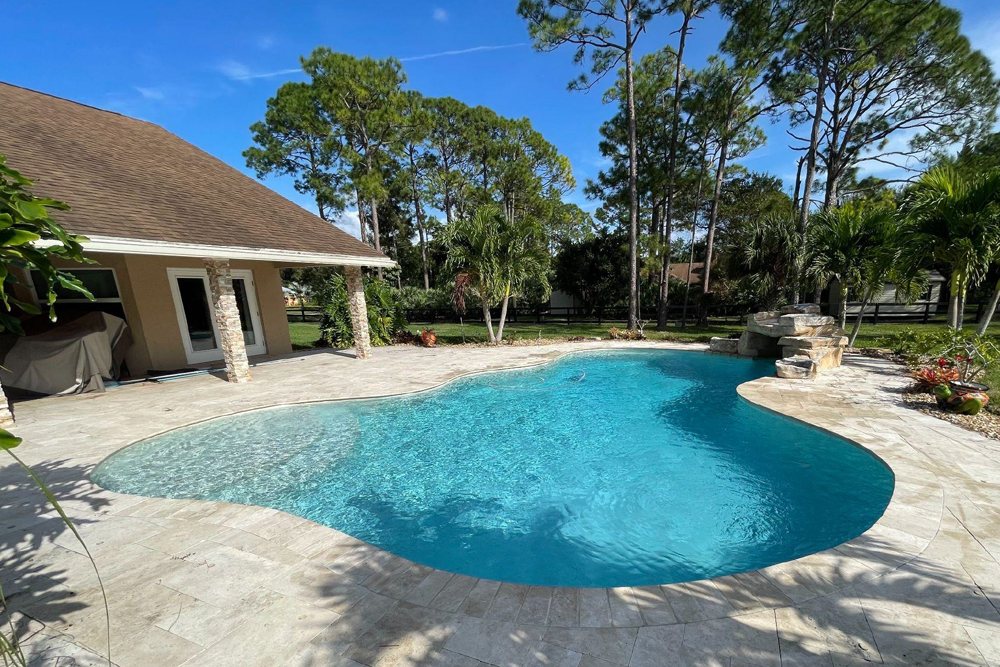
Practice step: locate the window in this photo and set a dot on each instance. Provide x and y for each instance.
(102, 283)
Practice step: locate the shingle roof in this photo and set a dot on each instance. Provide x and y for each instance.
(679, 270)
(128, 178)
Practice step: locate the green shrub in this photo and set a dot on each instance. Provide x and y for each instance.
(919, 347)
(417, 298)
(385, 315)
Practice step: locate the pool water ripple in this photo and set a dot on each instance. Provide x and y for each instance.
(615, 468)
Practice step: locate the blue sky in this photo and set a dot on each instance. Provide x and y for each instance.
(204, 70)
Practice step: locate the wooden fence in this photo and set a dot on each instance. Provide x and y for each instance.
(925, 312)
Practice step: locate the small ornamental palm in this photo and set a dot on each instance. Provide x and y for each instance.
(496, 258)
(860, 244)
(954, 221)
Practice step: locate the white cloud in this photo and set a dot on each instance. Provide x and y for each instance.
(238, 71)
(350, 223)
(459, 52)
(440, 14)
(149, 93)
(265, 42)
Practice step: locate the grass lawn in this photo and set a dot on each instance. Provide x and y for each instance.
(305, 334)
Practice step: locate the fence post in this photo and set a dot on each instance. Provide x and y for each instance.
(862, 313)
(927, 311)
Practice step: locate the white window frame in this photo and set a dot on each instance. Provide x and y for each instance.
(41, 299)
(215, 354)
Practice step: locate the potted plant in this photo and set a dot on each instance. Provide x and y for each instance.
(964, 365)
(428, 337)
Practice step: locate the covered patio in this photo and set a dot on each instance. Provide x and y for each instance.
(185, 253)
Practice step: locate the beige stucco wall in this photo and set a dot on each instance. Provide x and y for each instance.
(149, 307)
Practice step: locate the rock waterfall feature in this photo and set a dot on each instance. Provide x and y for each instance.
(803, 342)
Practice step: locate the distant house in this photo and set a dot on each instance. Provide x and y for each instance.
(187, 248)
(678, 271)
(928, 301)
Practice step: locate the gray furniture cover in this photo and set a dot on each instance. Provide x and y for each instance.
(72, 358)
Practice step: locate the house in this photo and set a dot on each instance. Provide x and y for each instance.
(927, 304)
(678, 271)
(187, 249)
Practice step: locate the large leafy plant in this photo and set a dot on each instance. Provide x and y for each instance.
(30, 239)
(385, 315)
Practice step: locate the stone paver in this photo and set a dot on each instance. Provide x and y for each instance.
(208, 583)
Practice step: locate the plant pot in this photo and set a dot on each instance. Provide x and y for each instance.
(960, 387)
(966, 398)
(428, 337)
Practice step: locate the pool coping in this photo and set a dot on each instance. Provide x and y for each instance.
(828, 572)
(181, 540)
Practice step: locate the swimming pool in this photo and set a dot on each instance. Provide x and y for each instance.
(614, 468)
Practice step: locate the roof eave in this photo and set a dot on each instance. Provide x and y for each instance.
(127, 246)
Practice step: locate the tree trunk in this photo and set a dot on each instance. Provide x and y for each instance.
(418, 212)
(633, 194)
(447, 204)
(713, 219)
(842, 306)
(814, 138)
(960, 316)
(984, 321)
(362, 218)
(798, 185)
(503, 315)
(423, 256)
(375, 233)
(832, 192)
(489, 322)
(656, 225)
(954, 299)
(661, 314)
(857, 322)
(694, 235)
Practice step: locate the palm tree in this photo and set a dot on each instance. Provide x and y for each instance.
(496, 258)
(763, 253)
(955, 221)
(859, 244)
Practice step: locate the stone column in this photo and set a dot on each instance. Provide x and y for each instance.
(227, 318)
(359, 311)
(6, 416)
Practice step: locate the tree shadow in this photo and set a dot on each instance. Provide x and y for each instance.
(865, 604)
(29, 529)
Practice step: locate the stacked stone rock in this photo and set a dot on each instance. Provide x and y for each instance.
(227, 319)
(803, 341)
(359, 311)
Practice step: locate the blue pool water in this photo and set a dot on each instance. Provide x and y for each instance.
(620, 468)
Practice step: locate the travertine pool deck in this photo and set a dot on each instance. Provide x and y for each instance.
(200, 583)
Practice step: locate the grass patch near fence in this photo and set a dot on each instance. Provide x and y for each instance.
(305, 334)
